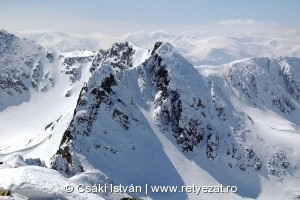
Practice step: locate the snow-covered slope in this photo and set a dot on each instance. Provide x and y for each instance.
(130, 116)
(37, 89)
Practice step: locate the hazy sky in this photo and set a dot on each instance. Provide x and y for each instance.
(119, 16)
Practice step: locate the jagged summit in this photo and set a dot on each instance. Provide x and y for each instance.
(6, 42)
(163, 48)
(121, 56)
(4, 33)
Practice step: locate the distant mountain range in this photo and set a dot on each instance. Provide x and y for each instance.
(198, 48)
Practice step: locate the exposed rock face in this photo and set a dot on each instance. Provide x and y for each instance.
(119, 57)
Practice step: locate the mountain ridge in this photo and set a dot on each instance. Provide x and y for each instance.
(167, 111)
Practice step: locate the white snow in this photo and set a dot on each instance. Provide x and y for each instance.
(77, 53)
(32, 182)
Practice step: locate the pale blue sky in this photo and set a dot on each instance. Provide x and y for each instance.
(119, 16)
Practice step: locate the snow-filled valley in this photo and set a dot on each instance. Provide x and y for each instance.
(158, 110)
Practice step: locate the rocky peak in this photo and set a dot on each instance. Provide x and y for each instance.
(119, 56)
(156, 46)
(6, 42)
(163, 48)
(4, 35)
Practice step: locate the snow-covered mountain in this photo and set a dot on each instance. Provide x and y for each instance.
(64, 42)
(131, 116)
(32, 80)
(199, 48)
(59, 41)
(24, 65)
